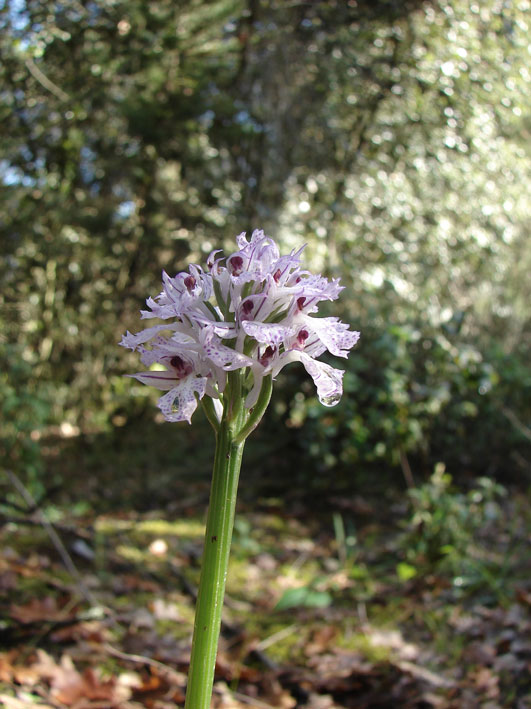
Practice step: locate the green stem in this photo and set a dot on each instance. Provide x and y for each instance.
(256, 413)
(220, 522)
(210, 412)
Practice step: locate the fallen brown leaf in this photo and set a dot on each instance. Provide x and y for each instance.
(321, 640)
(75, 689)
(36, 610)
(91, 630)
(155, 686)
(6, 665)
(10, 671)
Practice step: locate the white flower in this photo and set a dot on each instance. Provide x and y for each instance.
(251, 311)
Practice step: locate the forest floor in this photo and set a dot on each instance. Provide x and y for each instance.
(333, 600)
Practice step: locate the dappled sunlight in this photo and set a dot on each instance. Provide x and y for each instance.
(306, 605)
(380, 549)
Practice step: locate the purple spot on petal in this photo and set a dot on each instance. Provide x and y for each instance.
(267, 355)
(302, 337)
(190, 282)
(236, 265)
(182, 368)
(247, 307)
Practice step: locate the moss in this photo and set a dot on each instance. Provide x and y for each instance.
(132, 553)
(178, 629)
(290, 645)
(26, 540)
(361, 642)
(181, 528)
(190, 528)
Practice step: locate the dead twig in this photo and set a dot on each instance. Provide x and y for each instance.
(45, 81)
(55, 539)
(406, 469)
(31, 522)
(247, 700)
(143, 660)
(276, 637)
(513, 418)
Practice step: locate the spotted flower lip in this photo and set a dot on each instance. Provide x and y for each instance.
(254, 312)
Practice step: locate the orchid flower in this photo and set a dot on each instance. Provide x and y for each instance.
(251, 311)
(228, 331)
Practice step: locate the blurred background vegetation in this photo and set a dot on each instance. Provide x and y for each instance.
(392, 137)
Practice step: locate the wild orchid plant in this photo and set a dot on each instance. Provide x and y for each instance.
(229, 331)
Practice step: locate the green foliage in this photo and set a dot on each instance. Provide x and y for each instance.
(446, 531)
(24, 412)
(416, 390)
(243, 536)
(303, 597)
(391, 137)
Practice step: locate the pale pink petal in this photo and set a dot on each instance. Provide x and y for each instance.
(241, 240)
(133, 340)
(334, 334)
(161, 380)
(225, 330)
(268, 333)
(172, 289)
(252, 396)
(328, 381)
(180, 403)
(283, 268)
(319, 287)
(221, 355)
(162, 311)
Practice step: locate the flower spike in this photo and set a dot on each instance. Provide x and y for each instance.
(252, 312)
(228, 331)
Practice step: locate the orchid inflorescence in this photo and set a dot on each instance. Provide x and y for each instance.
(229, 330)
(251, 311)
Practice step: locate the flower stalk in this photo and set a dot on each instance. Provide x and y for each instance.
(218, 536)
(231, 432)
